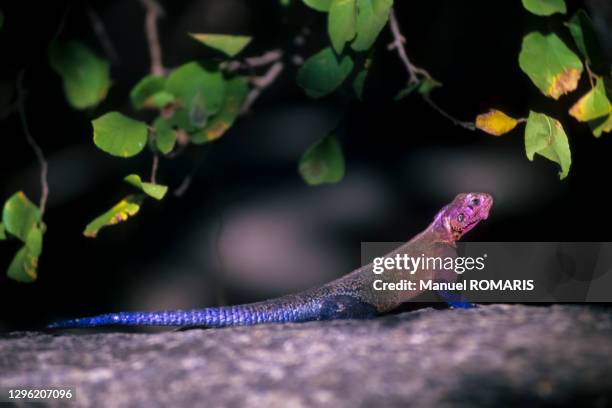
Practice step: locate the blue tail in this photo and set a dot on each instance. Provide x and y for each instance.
(256, 313)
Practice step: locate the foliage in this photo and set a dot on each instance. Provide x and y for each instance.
(120, 212)
(156, 191)
(197, 99)
(556, 70)
(119, 135)
(495, 122)
(545, 136)
(550, 64)
(230, 45)
(324, 72)
(545, 7)
(86, 77)
(198, 102)
(21, 219)
(319, 5)
(323, 162)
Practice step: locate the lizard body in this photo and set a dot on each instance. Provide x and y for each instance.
(351, 296)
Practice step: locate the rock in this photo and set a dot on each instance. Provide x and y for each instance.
(499, 355)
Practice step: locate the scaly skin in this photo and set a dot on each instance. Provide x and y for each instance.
(351, 296)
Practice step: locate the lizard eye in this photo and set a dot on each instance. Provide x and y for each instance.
(460, 217)
(475, 201)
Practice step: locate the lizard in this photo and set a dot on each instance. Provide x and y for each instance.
(349, 297)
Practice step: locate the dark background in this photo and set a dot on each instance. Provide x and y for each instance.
(249, 227)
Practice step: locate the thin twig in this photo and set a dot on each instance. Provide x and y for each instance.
(153, 12)
(186, 183)
(398, 44)
(266, 58)
(61, 24)
(154, 167)
(457, 122)
(40, 157)
(12, 107)
(261, 83)
(182, 189)
(587, 65)
(100, 31)
(416, 74)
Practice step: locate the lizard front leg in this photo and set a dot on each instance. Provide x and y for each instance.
(346, 307)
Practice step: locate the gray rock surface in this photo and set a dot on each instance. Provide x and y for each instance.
(493, 356)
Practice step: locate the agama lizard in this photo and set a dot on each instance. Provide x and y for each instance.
(351, 296)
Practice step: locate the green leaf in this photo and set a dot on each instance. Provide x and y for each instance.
(123, 210)
(410, 88)
(149, 92)
(20, 216)
(372, 16)
(119, 135)
(427, 85)
(341, 22)
(157, 191)
(587, 42)
(601, 125)
(594, 104)
(236, 93)
(359, 83)
(200, 91)
(552, 67)
(24, 266)
(230, 45)
(165, 136)
(86, 76)
(323, 162)
(319, 5)
(161, 99)
(323, 72)
(180, 119)
(545, 7)
(22, 219)
(34, 241)
(545, 136)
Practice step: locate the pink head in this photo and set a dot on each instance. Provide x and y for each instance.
(463, 214)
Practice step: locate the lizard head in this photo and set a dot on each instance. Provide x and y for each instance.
(463, 214)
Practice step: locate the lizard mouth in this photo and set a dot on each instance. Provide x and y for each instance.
(458, 232)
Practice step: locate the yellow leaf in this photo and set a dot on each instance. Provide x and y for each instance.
(601, 125)
(495, 122)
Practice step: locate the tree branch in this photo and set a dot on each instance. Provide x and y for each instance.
(266, 58)
(261, 83)
(154, 167)
(153, 12)
(398, 45)
(40, 157)
(415, 73)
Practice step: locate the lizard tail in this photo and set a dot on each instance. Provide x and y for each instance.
(240, 315)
